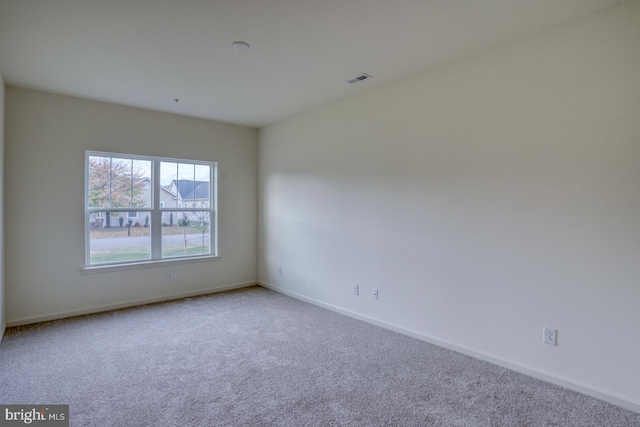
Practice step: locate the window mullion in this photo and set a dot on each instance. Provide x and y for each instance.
(213, 206)
(87, 214)
(156, 223)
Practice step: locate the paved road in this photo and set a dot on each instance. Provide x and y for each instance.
(145, 241)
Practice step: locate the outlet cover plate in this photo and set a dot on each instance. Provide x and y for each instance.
(550, 336)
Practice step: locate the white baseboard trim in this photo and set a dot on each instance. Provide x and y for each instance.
(132, 303)
(561, 381)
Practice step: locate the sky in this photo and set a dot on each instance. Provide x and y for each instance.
(171, 170)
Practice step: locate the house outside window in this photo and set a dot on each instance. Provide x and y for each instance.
(148, 209)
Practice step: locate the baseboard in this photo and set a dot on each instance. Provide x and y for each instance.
(2, 331)
(125, 304)
(604, 395)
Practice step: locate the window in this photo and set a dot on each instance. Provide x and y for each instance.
(148, 209)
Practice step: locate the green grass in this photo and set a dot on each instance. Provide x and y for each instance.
(101, 233)
(103, 256)
(174, 251)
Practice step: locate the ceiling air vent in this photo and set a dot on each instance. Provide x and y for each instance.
(359, 78)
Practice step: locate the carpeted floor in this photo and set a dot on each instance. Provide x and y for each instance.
(253, 357)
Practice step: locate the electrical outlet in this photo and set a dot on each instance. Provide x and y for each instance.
(169, 275)
(280, 270)
(356, 289)
(374, 294)
(550, 336)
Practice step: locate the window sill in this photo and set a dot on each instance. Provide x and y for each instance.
(145, 264)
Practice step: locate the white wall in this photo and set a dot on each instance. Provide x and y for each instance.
(2, 299)
(484, 199)
(46, 137)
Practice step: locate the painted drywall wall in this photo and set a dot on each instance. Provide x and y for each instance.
(46, 137)
(2, 299)
(484, 199)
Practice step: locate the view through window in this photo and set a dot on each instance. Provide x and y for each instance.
(141, 208)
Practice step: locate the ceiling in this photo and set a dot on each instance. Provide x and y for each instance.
(147, 53)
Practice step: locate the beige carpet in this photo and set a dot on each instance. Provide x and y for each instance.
(253, 357)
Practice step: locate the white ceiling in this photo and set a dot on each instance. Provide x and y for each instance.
(145, 53)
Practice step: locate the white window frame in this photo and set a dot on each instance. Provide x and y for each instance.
(156, 210)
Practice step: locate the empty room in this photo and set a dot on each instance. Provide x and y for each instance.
(337, 212)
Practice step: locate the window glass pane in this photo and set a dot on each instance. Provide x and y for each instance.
(98, 182)
(117, 183)
(120, 183)
(142, 184)
(168, 183)
(202, 191)
(189, 235)
(117, 237)
(186, 185)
